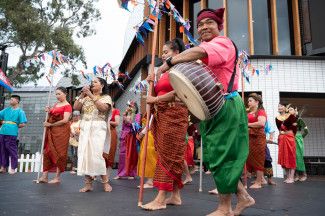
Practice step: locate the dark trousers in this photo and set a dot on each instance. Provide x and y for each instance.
(8, 148)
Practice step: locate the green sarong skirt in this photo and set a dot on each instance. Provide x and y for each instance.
(300, 164)
(225, 139)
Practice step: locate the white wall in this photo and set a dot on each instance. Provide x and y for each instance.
(291, 75)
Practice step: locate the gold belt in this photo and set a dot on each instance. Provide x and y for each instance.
(9, 122)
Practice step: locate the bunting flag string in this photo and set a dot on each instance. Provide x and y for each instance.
(56, 57)
(140, 87)
(248, 70)
(166, 7)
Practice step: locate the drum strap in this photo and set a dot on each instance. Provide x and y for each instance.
(232, 79)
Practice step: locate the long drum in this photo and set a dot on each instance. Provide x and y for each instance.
(197, 86)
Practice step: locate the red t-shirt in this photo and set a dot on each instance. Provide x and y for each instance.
(115, 112)
(163, 85)
(253, 117)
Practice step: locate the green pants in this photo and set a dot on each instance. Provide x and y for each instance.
(225, 142)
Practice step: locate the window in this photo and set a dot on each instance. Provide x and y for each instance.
(261, 27)
(237, 23)
(215, 4)
(282, 12)
(196, 10)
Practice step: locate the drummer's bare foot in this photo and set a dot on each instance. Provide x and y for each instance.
(56, 180)
(255, 186)
(219, 212)
(154, 205)
(173, 200)
(187, 180)
(244, 201)
(214, 191)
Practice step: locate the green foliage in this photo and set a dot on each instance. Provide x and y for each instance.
(36, 26)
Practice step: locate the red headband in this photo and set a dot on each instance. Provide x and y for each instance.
(216, 15)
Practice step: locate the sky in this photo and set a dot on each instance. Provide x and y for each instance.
(106, 46)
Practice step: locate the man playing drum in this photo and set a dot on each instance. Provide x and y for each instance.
(226, 134)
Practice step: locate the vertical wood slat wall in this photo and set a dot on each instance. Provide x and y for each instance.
(250, 27)
(225, 19)
(186, 15)
(296, 27)
(274, 27)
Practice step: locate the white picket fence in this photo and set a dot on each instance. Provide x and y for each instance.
(28, 163)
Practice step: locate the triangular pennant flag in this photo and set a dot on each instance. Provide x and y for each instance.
(147, 26)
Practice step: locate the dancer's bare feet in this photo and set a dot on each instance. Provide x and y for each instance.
(56, 180)
(271, 182)
(11, 171)
(244, 201)
(303, 178)
(214, 191)
(220, 212)
(131, 178)
(2, 170)
(88, 185)
(255, 186)
(173, 200)
(154, 205)
(43, 179)
(187, 180)
(116, 177)
(146, 186)
(290, 181)
(208, 172)
(107, 187)
(87, 188)
(264, 182)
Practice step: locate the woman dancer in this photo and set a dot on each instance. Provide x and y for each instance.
(169, 129)
(257, 138)
(94, 104)
(302, 132)
(128, 157)
(114, 122)
(57, 137)
(74, 140)
(151, 159)
(286, 123)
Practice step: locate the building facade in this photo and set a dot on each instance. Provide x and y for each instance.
(283, 33)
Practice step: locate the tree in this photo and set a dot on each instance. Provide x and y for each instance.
(36, 26)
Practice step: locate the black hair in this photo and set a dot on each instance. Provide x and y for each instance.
(62, 89)
(105, 89)
(16, 97)
(176, 45)
(136, 108)
(257, 98)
